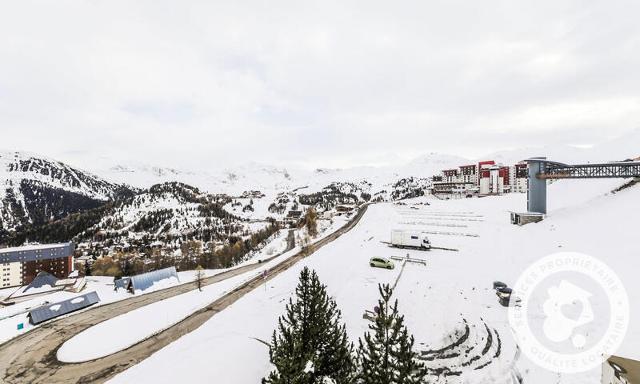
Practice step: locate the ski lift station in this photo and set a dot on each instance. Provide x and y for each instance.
(540, 170)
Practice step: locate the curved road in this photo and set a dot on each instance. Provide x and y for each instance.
(31, 357)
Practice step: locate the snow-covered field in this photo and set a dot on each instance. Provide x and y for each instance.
(454, 288)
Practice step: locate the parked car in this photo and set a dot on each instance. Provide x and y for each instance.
(504, 295)
(499, 284)
(381, 262)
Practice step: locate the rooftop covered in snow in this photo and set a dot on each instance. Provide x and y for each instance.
(36, 252)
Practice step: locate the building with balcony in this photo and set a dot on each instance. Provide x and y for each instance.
(20, 265)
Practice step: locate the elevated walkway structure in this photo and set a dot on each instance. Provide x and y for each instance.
(541, 170)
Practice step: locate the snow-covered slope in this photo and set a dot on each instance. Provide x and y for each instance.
(440, 299)
(167, 212)
(268, 178)
(260, 191)
(34, 189)
(232, 181)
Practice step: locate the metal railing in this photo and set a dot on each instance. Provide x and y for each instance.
(553, 170)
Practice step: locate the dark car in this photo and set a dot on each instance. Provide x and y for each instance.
(504, 295)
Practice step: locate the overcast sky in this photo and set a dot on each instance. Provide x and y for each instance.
(324, 83)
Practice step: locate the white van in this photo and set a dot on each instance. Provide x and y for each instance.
(409, 239)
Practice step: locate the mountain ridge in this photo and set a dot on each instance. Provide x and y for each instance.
(35, 190)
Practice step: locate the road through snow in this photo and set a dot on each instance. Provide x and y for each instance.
(31, 357)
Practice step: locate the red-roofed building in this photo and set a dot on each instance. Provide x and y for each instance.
(485, 178)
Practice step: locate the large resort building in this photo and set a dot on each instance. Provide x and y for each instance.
(20, 265)
(483, 178)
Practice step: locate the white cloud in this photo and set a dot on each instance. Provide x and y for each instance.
(329, 83)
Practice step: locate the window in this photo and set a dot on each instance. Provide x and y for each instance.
(414, 237)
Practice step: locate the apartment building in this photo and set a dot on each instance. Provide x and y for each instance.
(20, 265)
(484, 178)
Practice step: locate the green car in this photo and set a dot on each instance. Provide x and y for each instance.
(381, 262)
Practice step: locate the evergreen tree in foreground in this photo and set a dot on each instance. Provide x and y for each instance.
(386, 356)
(310, 345)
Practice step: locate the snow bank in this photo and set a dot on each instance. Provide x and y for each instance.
(125, 330)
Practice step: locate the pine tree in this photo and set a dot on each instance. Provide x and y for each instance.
(386, 356)
(310, 345)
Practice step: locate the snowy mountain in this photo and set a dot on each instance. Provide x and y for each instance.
(35, 190)
(250, 176)
(163, 216)
(167, 212)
